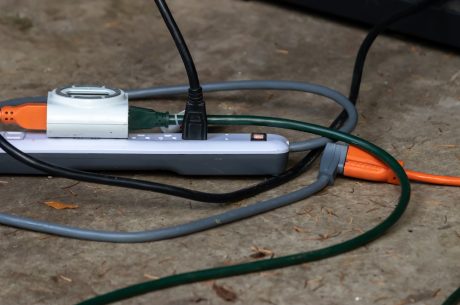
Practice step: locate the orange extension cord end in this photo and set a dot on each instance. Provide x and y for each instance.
(362, 165)
(27, 116)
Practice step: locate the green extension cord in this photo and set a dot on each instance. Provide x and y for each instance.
(144, 118)
(453, 299)
(284, 261)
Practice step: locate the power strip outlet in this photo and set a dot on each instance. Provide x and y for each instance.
(221, 154)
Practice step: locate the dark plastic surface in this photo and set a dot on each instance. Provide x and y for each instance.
(439, 24)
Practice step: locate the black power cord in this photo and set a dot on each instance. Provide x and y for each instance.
(194, 126)
(179, 40)
(372, 35)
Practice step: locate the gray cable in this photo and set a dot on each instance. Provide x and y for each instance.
(167, 232)
(340, 99)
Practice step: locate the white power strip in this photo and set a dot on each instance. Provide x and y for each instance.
(221, 154)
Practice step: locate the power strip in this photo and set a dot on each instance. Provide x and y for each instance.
(221, 154)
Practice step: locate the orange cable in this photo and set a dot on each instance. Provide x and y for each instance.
(362, 165)
(433, 179)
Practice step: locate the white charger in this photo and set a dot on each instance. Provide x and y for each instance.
(80, 111)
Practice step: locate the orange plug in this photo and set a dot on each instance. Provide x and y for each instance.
(362, 165)
(28, 116)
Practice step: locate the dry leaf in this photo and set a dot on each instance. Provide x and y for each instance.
(436, 292)
(65, 278)
(314, 284)
(372, 210)
(322, 237)
(151, 277)
(329, 211)
(305, 211)
(261, 252)
(282, 51)
(60, 205)
(224, 293)
(328, 235)
(299, 229)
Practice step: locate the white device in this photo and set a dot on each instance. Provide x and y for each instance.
(221, 154)
(87, 112)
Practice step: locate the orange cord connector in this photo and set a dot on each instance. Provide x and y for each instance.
(360, 164)
(28, 116)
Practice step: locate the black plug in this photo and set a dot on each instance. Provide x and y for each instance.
(195, 122)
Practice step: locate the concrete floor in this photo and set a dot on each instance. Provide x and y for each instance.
(410, 104)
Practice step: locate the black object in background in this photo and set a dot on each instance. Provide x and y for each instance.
(440, 23)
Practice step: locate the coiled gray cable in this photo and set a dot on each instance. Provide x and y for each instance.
(167, 232)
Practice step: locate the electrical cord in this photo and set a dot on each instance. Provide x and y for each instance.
(378, 29)
(453, 299)
(167, 232)
(175, 190)
(284, 261)
(358, 68)
(195, 125)
(361, 165)
(181, 46)
(433, 179)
